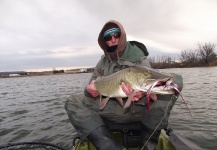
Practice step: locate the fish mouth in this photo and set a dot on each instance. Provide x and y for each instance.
(163, 86)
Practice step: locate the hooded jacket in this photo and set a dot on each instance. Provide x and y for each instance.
(127, 54)
(122, 41)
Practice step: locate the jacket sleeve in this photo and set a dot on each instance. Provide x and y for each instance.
(94, 75)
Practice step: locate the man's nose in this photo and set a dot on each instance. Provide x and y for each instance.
(113, 39)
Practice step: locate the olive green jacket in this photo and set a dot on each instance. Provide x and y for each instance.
(160, 109)
(132, 55)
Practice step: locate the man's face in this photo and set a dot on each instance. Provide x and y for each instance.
(112, 39)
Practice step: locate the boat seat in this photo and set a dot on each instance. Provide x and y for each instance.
(130, 133)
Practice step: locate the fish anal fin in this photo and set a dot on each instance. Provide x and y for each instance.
(103, 102)
(129, 100)
(120, 100)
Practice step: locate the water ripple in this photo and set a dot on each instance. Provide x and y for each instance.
(32, 108)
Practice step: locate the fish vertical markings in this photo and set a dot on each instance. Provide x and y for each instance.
(110, 87)
(140, 79)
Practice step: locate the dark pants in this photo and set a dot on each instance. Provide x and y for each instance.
(85, 115)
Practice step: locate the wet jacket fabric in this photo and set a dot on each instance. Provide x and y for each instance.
(83, 110)
(131, 56)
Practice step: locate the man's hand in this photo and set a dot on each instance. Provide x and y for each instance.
(128, 91)
(92, 89)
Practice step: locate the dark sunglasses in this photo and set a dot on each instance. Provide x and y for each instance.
(115, 34)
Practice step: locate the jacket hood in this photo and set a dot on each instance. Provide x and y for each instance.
(122, 41)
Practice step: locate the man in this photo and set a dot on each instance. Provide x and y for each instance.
(84, 112)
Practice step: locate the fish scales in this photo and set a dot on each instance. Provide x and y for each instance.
(111, 85)
(138, 78)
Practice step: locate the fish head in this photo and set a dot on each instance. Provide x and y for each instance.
(148, 79)
(161, 86)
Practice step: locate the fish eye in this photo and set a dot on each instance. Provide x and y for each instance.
(145, 73)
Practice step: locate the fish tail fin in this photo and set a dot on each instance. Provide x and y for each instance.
(103, 102)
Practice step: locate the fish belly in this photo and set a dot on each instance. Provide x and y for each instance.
(118, 93)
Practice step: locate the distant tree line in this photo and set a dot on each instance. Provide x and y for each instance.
(58, 71)
(202, 56)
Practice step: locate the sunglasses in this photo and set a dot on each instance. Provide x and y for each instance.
(115, 34)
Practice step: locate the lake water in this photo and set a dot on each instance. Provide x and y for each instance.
(32, 108)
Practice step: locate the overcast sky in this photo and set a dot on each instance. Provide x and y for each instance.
(40, 35)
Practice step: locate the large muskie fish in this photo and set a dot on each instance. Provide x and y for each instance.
(139, 78)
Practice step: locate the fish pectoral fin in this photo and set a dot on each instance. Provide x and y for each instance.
(129, 100)
(120, 100)
(153, 96)
(103, 102)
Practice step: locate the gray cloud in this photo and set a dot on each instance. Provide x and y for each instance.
(41, 34)
(37, 63)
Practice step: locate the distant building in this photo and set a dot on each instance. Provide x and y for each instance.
(13, 74)
(79, 70)
(83, 70)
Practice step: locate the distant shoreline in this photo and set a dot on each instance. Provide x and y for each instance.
(43, 74)
(13, 74)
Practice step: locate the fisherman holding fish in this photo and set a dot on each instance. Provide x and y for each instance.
(88, 118)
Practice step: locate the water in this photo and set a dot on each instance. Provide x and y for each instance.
(32, 108)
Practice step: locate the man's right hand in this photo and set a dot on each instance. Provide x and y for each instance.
(128, 91)
(92, 89)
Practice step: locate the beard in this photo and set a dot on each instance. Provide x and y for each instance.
(112, 49)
